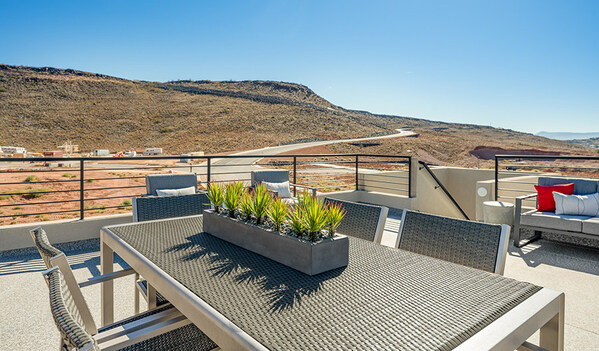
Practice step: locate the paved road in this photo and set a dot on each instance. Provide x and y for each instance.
(240, 168)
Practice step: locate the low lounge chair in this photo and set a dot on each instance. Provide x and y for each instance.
(474, 244)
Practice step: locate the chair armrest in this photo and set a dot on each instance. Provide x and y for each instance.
(313, 188)
(107, 277)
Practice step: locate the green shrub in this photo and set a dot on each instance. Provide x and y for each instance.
(233, 193)
(31, 178)
(277, 212)
(216, 195)
(89, 180)
(335, 214)
(2, 90)
(32, 193)
(125, 204)
(69, 175)
(260, 201)
(166, 130)
(245, 205)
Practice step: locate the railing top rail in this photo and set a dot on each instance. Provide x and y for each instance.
(91, 158)
(550, 157)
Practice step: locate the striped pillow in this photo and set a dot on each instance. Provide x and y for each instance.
(581, 205)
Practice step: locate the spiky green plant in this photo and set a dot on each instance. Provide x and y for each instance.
(233, 193)
(277, 212)
(314, 215)
(245, 205)
(261, 199)
(216, 195)
(296, 222)
(335, 214)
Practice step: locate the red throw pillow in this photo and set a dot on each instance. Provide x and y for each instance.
(545, 202)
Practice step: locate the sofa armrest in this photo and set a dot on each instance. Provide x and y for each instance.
(518, 208)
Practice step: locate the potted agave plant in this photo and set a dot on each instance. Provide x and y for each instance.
(302, 236)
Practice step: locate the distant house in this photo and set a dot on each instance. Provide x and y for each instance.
(153, 151)
(13, 150)
(101, 152)
(53, 153)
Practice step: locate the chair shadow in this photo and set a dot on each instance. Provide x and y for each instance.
(85, 256)
(558, 254)
(284, 287)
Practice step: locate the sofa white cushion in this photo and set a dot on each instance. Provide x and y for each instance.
(282, 188)
(173, 192)
(550, 220)
(580, 205)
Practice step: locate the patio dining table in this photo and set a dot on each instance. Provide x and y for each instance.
(385, 299)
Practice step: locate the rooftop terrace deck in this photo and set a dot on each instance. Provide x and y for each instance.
(26, 322)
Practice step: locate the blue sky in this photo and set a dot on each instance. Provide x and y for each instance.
(521, 64)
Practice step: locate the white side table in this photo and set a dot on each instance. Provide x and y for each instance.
(498, 212)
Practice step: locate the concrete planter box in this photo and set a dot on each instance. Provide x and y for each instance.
(304, 256)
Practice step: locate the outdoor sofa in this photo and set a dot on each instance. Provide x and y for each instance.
(586, 227)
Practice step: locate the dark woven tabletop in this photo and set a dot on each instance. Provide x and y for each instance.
(385, 299)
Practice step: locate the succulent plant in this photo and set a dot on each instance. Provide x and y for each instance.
(216, 195)
(335, 214)
(233, 192)
(261, 199)
(245, 205)
(314, 215)
(277, 212)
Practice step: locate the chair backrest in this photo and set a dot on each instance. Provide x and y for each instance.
(148, 208)
(170, 181)
(66, 315)
(364, 221)
(53, 257)
(474, 244)
(581, 186)
(46, 250)
(269, 175)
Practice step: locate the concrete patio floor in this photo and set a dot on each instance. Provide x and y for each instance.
(26, 322)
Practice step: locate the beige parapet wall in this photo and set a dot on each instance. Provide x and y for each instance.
(17, 236)
(510, 187)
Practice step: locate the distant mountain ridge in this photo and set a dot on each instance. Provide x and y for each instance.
(41, 108)
(568, 135)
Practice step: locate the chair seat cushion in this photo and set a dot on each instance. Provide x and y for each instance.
(281, 188)
(176, 192)
(550, 220)
(591, 226)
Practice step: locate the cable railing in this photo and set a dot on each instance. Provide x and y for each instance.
(515, 175)
(37, 189)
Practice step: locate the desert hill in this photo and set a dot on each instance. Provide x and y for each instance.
(41, 108)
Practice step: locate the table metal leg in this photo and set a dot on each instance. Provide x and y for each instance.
(107, 289)
(151, 296)
(552, 333)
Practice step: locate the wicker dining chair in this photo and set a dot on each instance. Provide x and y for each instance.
(163, 328)
(364, 221)
(147, 208)
(474, 244)
(170, 181)
(49, 253)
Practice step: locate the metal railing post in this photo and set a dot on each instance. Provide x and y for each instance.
(294, 175)
(81, 190)
(496, 178)
(208, 170)
(410, 176)
(357, 184)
